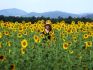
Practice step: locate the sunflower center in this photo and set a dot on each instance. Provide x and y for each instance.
(65, 45)
(24, 43)
(1, 57)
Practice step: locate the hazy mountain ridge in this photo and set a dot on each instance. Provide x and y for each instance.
(52, 14)
(89, 15)
(12, 12)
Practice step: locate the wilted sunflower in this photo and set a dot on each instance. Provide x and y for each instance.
(9, 43)
(24, 43)
(2, 58)
(36, 39)
(65, 46)
(12, 67)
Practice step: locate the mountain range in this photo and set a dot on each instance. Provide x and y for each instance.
(51, 14)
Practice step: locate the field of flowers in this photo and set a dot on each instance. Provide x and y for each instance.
(22, 47)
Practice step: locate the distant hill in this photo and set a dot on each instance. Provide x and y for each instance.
(12, 12)
(52, 14)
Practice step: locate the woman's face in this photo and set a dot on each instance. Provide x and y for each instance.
(47, 28)
(47, 31)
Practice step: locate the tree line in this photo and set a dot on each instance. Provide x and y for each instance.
(34, 19)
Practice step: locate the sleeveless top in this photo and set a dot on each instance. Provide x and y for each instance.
(46, 36)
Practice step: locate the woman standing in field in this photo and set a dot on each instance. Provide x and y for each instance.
(46, 33)
(48, 28)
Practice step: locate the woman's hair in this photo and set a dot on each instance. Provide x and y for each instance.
(48, 27)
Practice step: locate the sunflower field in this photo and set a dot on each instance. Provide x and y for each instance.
(22, 46)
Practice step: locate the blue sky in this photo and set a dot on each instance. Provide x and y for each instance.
(71, 6)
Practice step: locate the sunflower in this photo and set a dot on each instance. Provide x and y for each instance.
(12, 67)
(42, 36)
(14, 29)
(90, 34)
(32, 30)
(1, 35)
(21, 29)
(69, 43)
(24, 43)
(23, 50)
(88, 44)
(65, 46)
(71, 51)
(25, 33)
(36, 39)
(19, 35)
(6, 33)
(74, 39)
(69, 30)
(85, 36)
